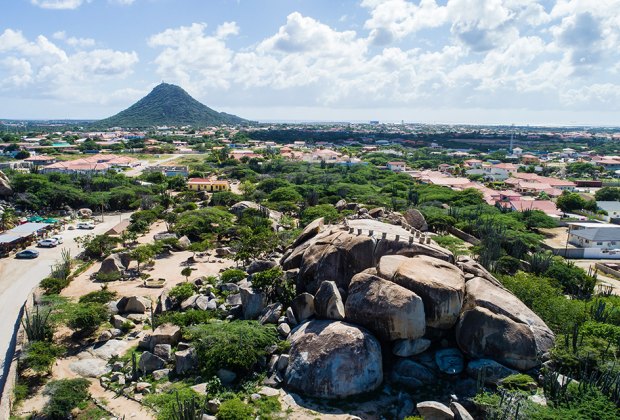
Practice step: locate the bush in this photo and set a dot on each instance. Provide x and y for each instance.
(182, 291)
(237, 346)
(102, 296)
(235, 409)
(165, 402)
(275, 286)
(65, 395)
(187, 318)
(233, 275)
(107, 277)
(40, 356)
(87, 317)
(519, 381)
(53, 286)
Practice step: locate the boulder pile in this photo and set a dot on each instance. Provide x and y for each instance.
(377, 300)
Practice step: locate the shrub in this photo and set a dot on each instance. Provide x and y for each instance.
(237, 345)
(519, 381)
(267, 406)
(182, 291)
(165, 403)
(40, 356)
(187, 318)
(235, 409)
(53, 286)
(100, 296)
(232, 275)
(65, 395)
(107, 277)
(87, 317)
(37, 324)
(274, 284)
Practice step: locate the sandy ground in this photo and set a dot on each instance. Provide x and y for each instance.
(144, 164)
(556, 237)
(604, 279)
(168, 268)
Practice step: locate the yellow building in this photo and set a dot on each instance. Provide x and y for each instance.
(203, 184)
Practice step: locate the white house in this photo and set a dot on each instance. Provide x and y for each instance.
(603, 236)
(397, 166)
(611, 207)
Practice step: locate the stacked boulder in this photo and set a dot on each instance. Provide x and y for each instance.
(362, 292)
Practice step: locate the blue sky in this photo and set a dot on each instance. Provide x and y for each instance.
(455, 61)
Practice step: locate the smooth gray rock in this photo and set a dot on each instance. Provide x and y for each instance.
(333, 359)
(133, 305)
(433, 410)
(90, 368)
(202, 303)
(253, 302)
(328, 302)
(149, 362)
(488, 370)
(290, 317)
(163, 350)
(234, 299)
(165, 334)
(271, 314)
(450, 361)
(160, 374)
(303, 307)
(260, 265)
(185, 361)
(190, 302)
(406, 348)
(284, 330)
(411, 374)
(460, 413)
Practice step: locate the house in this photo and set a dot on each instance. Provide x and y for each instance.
(397, 166)
(204, 184)
(546, 206)
(611, 207)
(40, 160)
(170, 170)
(528, 159)
(603, 236)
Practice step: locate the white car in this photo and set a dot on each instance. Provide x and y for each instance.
(58, 238)
(47, 243)
(86, 225)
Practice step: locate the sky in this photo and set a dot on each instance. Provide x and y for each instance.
(429, 61)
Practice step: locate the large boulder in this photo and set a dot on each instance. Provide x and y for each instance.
(488, 307)
(414, 218)
(333, 359)
(441, 286)
(310, 231)
(303, 307)
(183, 243)
(133, 305)
(112, 264)
(149, 362)
(328, 302)
(390, 311)
(5, 185)
(481, 333)
(165, 334)
(488, 371)
(433, 410)
(411, 374)
(260, 265)
(185, 360)
(253, 302)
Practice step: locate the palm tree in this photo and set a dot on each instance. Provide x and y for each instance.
(8, 219)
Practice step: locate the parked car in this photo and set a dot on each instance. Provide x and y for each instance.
(58, 238)
(47, 243)
(27, 254)
(86, 225)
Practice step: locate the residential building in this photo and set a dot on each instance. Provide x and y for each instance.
(602, 236)
(397, 166)
(611, 207)
(208, 185)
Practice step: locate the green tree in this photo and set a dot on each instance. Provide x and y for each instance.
(142, 254)
(569, 201)
(608, 194)
(186, 272)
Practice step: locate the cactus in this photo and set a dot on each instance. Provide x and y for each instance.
(37, 325)
(134, 367)
(188, 409)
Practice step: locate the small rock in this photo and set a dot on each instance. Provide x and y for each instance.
(290, 317)
(433, 410)
(253, 302)
(117, 366)
(271, 314)
(149, 362)
(226, 376)
(273, 363)
(105, 336)
(165, 334)
(282, 362)
(268, 392)
(489, 371)
(183, 346)
(450, 361)
(189, 303)
(143, 387)
(213, 405)
(160, 374)
(284, 330)
(163, 350)
(260, 265)
(411, 374)
(229, 287)
(303, 306)
(120, 322)
(200, 389)
(202, 303)
(255, 397)
(460, 413)
(234, 299)
(407, 348)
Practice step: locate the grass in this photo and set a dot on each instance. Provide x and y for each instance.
(452, 243)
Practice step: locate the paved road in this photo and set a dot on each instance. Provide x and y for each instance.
(19, 277)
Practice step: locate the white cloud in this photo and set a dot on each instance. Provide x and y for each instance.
(227, 29)
(122, 2)
(57, 4)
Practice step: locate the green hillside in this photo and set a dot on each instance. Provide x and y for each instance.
(168, 105)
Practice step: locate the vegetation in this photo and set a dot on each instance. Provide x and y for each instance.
(65, 395)
(182, 291)
(234, 409)
(237, 346)
(40, 356)
(233, 275)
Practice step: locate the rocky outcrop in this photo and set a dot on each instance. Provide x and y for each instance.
(5, 185)
(303, 307)
(310, 231)
(112, 265)
(388, 310)
(441, 286)
(333, 359)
